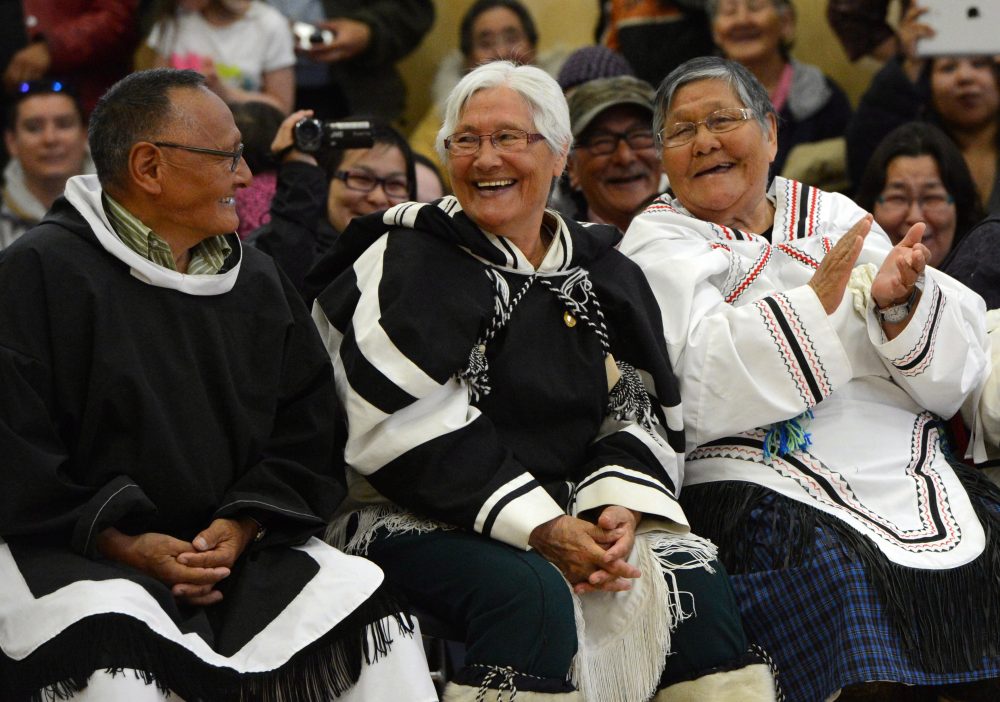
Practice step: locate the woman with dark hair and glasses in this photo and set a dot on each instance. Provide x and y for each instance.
(46, 138)
(960, 94)
(917, 174)
(815, 359)
(514, 444)
(319, 194)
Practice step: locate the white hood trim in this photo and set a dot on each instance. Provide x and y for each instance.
(84, 193)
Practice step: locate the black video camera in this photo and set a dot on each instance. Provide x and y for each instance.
(311, 135)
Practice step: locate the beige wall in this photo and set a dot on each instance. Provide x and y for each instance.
(567, 22)
(816, 43)
(571, 23)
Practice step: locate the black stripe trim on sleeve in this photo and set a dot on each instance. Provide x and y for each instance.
(645, 482)
(930, 337)
(368, 381)
(503, 502)
(793, 342)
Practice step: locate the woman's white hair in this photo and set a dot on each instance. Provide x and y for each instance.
(540, 90)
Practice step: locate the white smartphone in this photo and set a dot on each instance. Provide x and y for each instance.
(309, 36)
(963, 27)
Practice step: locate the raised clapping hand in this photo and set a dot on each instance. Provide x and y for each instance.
(830, 280)
(191, 569)
(900, 270)
(590, 556)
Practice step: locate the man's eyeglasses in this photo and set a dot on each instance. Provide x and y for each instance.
(929, 203)
(234, 155)
(509, 140)
(720, 121)
(605, 143)
(395, 188)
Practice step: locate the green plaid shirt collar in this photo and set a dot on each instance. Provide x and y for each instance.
(207, 257)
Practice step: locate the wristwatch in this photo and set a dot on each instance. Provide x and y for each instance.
(897, 313)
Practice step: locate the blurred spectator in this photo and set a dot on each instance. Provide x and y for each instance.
(655, 36)
(258, 122)
(961, 94)
(430, 182)
(370, 37)
(88, 43)
(810, 106)
(47, 142)
(614, 165)
(317, 195)
(862, 27)
(242, 47)
(917, 174)
(491, 30)
(975, 261)
(589, 63)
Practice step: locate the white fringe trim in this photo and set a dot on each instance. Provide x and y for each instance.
(624, 638)
(387, 517)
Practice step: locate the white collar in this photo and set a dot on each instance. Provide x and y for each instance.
(84, 193)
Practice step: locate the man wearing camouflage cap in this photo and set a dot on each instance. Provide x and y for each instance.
(614, 168)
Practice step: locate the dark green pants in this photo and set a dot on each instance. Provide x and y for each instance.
(516, 609)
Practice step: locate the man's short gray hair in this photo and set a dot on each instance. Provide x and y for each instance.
(746, 86)
(540, 90)
(134, 109)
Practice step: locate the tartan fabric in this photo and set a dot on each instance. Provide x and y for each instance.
(824, 625)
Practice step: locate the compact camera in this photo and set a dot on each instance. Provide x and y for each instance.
(309, 36)
(311, 135)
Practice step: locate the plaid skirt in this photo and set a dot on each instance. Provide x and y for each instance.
(825, 628)
(824, 623)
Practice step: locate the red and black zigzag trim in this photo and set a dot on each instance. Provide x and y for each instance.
(803, 205)
(796, 348)
(919, 357)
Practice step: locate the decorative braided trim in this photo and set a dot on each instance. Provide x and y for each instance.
(762, 654)
(504, 680)
(578, 285)
(628, 400)
(476, 374)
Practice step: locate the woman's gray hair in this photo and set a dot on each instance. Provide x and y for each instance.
(540, 90)
(746, 86)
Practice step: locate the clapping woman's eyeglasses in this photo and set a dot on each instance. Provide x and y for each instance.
(719, 122)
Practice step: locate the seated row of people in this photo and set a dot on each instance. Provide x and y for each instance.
(512, 386)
